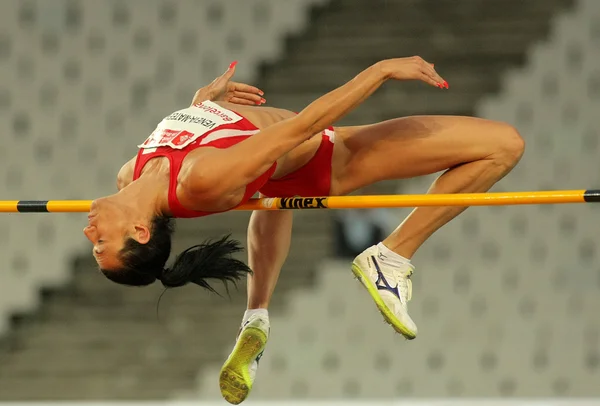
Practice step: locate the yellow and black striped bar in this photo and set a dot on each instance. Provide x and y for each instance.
(45, 206)
(345, 202)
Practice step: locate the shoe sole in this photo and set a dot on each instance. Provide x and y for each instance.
(385, 311)
(234, 379)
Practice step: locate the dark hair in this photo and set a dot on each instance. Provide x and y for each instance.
(143, 264)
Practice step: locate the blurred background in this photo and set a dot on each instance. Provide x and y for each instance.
(506, 298)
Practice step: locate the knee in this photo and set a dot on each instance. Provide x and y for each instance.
(510, 146)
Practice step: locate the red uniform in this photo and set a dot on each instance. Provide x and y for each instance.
(209, 125)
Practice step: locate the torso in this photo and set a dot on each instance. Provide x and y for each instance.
(259, 117)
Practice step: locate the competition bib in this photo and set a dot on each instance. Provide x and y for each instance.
(183, 127)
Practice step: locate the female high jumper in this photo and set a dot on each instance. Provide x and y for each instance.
(216, 154)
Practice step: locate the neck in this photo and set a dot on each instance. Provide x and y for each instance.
(147, 194)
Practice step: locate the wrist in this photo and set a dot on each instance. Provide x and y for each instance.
(209, 95)
(383, 69)
(204, 94)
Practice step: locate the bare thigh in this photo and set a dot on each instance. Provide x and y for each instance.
(411, 146)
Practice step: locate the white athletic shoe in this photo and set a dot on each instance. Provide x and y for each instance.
(390, 287)
(239, 371)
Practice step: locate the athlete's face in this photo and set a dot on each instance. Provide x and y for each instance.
(108, 226)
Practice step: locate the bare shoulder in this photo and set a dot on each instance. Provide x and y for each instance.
(125, 175)
(196, 178)
(201, 187)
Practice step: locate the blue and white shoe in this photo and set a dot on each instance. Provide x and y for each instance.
(239, 371)
(389, 286)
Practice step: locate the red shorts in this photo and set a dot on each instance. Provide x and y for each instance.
(312, 179)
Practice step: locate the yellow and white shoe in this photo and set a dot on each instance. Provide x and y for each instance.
(239, 371)
(389, 286)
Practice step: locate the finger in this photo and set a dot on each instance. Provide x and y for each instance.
(242, 87)
(257, 99)
(238, 100)
(429, 80)
(428, 70)
(230, 71)
(435, 76)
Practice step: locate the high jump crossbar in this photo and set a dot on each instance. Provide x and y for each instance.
(346, 202)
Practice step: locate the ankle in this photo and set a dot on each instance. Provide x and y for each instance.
(391, 257)
(252, 312)
(405, 250)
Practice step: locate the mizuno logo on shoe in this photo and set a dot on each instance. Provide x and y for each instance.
(382, 283)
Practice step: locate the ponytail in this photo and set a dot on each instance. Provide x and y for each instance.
(210, 260)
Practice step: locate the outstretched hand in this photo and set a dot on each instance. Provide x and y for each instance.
(224, 89)
(413, 68)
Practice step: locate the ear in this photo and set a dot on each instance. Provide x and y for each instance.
(142, 234)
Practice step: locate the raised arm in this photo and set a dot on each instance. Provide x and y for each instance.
(252, 157)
